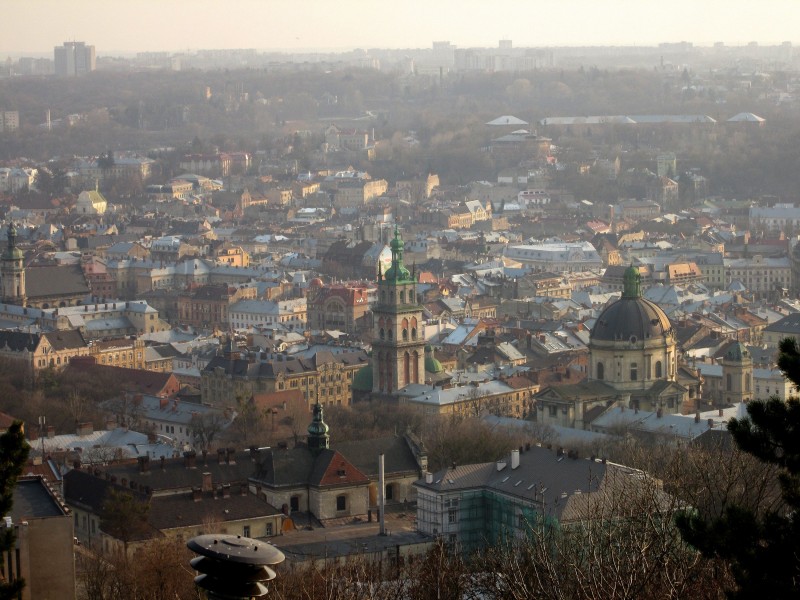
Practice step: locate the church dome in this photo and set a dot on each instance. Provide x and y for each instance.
(737, 352)
(362, 382)
(631, 318)
(432, 365)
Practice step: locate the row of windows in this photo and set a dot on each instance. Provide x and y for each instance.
(634, 371)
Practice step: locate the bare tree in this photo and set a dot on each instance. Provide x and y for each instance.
(205, 428)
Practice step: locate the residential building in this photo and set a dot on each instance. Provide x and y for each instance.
(43, 554)
(341, 307)
(249, 314)
(73, 59)
(182, 497)
(556, 257)
(761, 275)
(472, 506)
(208, 305)
(325, 377)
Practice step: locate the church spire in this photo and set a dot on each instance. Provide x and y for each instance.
(318, 438)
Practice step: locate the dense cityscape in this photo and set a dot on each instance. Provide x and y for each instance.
(445, 322)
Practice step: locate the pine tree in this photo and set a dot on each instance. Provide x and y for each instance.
(762, 548)
(13, 456)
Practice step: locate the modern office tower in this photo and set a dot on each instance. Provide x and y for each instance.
(73, 59)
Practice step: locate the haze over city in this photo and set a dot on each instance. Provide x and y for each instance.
(154, 25)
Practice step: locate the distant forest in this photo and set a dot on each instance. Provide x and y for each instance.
(258, 110)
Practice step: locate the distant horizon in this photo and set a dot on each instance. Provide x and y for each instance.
(345, 49)
(124, 28)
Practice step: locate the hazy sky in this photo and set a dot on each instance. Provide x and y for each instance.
(127, 26)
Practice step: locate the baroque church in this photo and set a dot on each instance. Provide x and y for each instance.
(633, 361)
(45, 286)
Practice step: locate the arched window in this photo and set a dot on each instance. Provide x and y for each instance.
(600, 371)
(413, 333)
(406, 368)
(410, 296)
(382, 334)
(390, 334)
(659, 372)
(415, 367)
(402, 297)
(405, 335)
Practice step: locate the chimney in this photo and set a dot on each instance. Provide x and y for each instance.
(189, 459)
(197, 494)
(514, 459)
(659, 413)
(144, 463)
(428, 477)
(697, 417)
(163, 403)
(207, 482)
(720, 412)
(51, 432)
(501, 464)
(230, 457)
(85, 429)
(226, 490)
(711, 423)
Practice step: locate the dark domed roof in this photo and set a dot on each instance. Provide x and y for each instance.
(631, 318)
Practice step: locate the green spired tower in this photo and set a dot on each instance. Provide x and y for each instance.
(398, 347)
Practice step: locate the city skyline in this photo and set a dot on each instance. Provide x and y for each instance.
(116, 27)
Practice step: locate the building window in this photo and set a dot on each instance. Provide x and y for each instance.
(246, 531)
(452, 516)
(341, 502)
(268, 530)
(728, 382)
(659, 373)
(634, 371)
(600, 371)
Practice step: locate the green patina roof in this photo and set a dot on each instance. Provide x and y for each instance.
(632, 283)
(397, 272)
(432, 365)
(362, 382)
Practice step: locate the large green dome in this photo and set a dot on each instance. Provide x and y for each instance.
(362, 382)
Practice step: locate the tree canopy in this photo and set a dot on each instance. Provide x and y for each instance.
(763, 548)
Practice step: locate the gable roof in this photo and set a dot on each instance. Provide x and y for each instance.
(55, 280)
(363, 455)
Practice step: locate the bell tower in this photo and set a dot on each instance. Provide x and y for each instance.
(737, 374)
(398, 347)
(12, 271)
